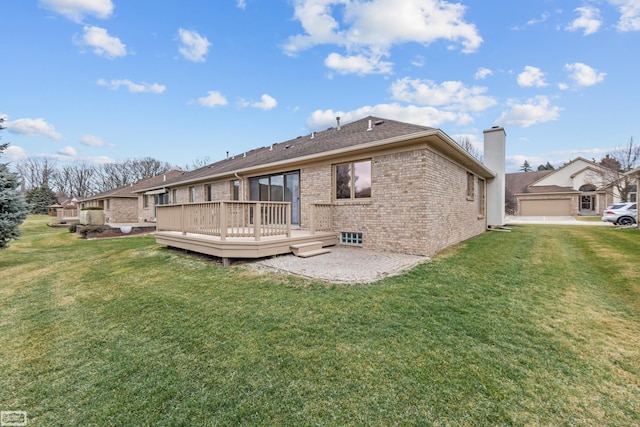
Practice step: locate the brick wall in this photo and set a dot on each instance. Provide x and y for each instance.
(418, 204)
(122, 210)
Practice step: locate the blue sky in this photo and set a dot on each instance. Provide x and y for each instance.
(108, 80)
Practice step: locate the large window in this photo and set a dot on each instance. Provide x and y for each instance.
(353, 180)
(192, 194)
(207, 192)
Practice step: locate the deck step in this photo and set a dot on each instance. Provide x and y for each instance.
(315, 252)
(305, 247)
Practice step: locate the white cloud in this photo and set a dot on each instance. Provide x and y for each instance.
(357, 64)
(194, 47)
(14, 153)
(68, 151)
(629, 14)
(242, 4)
(535, 110)
(92, 141)
(418, 61)
(102, 43)
(531, 76)
(451, 95)
(212, 99)
(588, 21)
(371, 28)
(539, 20)
(426, 116)
(583, 74)
(482, 73)
(266, 103)
(133, 87)
(33, 127)
(76, 10)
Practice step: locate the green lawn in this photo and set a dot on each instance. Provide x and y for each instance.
(540, 326)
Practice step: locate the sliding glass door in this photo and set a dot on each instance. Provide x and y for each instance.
(278, 188)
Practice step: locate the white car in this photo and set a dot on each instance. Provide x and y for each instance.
(621, 213)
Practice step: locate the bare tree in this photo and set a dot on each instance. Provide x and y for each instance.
(36, 172)
(198, 163)
(147, 167)
(617, 163)
(114, 175)
(77, 180)
(465, 142)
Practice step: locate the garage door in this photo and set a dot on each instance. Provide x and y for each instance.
(545, 207)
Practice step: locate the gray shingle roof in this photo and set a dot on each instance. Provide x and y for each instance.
(129, 190)
(349, 135)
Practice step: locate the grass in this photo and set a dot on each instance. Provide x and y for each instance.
(540, 326)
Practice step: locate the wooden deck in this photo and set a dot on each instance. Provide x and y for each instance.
(243, 247)
(240, 229)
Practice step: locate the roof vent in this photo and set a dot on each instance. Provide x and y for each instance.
(313, 135)
(245, 154)
(378, 123)
(271, 148)
(369, 128)
(338, 121)
(288, 146)
(227, 154)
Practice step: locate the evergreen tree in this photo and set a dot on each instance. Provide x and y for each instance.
(13, 209)
(39, 200)
(526, 167)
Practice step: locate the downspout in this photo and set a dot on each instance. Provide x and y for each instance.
(241, 195)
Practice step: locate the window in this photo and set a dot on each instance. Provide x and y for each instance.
(235, 189)
(481, 198)
(174, 196)
(145, 201)
(470, 186)
(353, 180)
(207, 192)
(107, 204)
(350, 238)
(192, 194)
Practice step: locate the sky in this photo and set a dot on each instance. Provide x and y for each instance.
(100, 81)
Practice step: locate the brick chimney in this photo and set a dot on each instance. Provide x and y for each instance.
(495, 141)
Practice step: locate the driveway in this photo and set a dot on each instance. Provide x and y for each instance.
(562, 220)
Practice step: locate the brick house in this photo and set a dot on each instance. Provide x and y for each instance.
(373, 183)
(120, 205)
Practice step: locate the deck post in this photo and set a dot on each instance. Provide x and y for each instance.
(226, 262)
(288, 220)
(313, 218)
(257, 221)
(182, 220)
(223, 221)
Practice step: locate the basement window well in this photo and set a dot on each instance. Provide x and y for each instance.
(349, 238)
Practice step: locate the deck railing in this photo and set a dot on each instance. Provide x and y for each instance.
(321, 217)
(62, 213)
(227, 219)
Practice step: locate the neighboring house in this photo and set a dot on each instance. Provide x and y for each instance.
(373, 183)
(577, 188)
(120, 205)
(635, 173)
